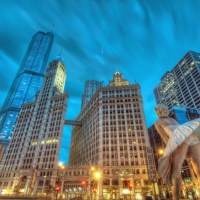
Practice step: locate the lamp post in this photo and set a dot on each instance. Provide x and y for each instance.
(95, 174)
(98, 178)
(61, 167)
(57, 190)
(160, 153)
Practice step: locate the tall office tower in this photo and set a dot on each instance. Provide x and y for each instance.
(91, 86)
(38, 131)
(27, 82)
(113, 132)
(181, 86)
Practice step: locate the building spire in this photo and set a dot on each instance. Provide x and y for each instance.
(59, 57)
(117, 72)
(135, 81)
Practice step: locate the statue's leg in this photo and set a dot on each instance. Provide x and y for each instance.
(194, 153)
(177, 162)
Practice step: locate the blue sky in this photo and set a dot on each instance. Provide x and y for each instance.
(141, 38)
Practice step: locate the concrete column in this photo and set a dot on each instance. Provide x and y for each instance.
(132, 191)
(142, 182)
(27, 186)
(61, 189)
(35, 188)
(120, 186)
(111, 193)
(2, 186)
(100, 189)
(15, 182)
(53, 180)
(43, 185)
(88, 190)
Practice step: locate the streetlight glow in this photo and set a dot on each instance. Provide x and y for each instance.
(92, 168)
(97, 175)
(161, 151)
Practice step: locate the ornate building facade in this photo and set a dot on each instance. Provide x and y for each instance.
(35, 145)
(113, 134)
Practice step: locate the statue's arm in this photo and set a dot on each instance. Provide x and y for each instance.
(162, 133)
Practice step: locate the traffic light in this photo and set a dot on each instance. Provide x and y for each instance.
(130, 187)
(57, 188)
(83, 183)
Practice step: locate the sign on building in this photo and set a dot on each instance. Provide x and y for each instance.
(151, 165)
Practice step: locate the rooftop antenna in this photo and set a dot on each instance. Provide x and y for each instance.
(52, 28)
(135, 81)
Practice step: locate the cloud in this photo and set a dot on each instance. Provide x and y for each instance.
(143, 39)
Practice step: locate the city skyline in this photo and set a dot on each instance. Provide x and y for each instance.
(141, 39)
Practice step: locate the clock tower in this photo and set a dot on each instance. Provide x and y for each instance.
(38, 132)
(56, 74)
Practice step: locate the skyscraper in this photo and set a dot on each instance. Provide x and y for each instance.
(113, 134)
(36, 139)
(91, 86)
(181, 86)
(27, 81)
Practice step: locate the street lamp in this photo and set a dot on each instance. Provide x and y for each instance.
(97, 175)
(161, 152)
(60, 172)
(92, 169)
(57, 190)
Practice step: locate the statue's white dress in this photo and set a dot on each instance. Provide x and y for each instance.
(177, 135)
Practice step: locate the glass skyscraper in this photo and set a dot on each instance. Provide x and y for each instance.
(27, 82)
(181, 86)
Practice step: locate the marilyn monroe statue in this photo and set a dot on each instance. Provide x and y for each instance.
(181, 141)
